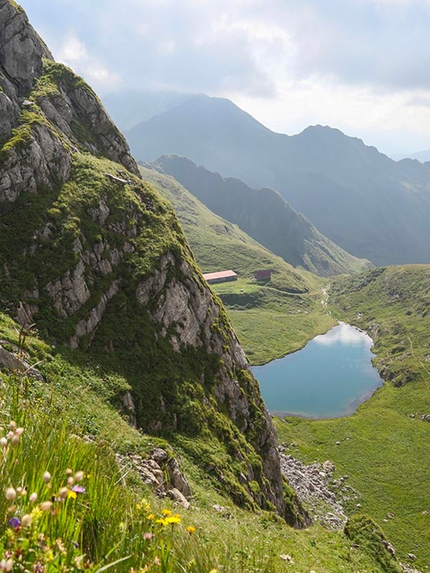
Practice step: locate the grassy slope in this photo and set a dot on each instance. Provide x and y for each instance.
(265, 216)
(41, 237)
(270, 319)
(387, 453)
(75, 402)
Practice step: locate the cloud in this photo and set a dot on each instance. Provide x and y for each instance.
(203, 44)
(355, 64)
(344, 334)
(74, 53)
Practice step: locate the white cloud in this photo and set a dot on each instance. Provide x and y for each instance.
(354, 64)
(74, 53)
(344, 334)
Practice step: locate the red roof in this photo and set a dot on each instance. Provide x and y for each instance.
(219, 275)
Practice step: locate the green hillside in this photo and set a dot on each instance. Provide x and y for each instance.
(265, 216)
(384, 447)
(133, 436)
(114, 522)
(271, 319)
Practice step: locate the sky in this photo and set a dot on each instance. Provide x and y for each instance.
(362, 66)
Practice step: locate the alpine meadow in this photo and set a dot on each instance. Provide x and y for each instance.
(144, 274)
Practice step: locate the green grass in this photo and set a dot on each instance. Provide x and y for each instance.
(106, 524)
(385, 446)
(271, 323)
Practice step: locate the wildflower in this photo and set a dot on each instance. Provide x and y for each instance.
(46, 477)
(78, 489)
(6, 565)
(191, 529)
(14, 522)
(151, 517)
(46, 505)
(19, 431)
(63, 493)
(26, 520)
(148, 536)
(69, 472)
(33, 497)
(79, 476)
(162, 521)
(213, 571)
(10, 494)
(173, 519)
(15, 439)
(72, 494)
(70, 480)
(12, 425)
(3, 442)
(166, 512)
(143, 506)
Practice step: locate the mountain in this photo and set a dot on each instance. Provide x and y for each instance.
(265, 216)
(421, 156)
(97, 260)
(271, 317)
(120, 371)
(368, 204)
(129, 108)
(219, 244)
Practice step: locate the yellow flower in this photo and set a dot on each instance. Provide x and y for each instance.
(166, 512)
(162, 521)
(173, 519)
(191, 529)
(143, 506)
(72, 494)
(213, 571)
(151, 517)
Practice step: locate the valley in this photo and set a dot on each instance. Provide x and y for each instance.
(133, 433)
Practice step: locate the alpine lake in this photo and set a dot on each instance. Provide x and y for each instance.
(328, 378)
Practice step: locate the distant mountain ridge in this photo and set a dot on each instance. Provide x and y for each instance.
(421, 156)
(265, 216)
(370, 205)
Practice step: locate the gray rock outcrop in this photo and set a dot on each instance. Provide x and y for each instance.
(161, 472)
(312, 485)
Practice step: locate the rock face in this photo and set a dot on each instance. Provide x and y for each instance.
(47, 110)
(99, 262)
(161, 472)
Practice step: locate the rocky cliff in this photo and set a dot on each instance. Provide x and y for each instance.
(98, 261)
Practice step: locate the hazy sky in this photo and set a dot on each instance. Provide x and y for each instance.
(360, 65)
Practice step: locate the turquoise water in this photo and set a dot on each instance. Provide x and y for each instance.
(330, 377)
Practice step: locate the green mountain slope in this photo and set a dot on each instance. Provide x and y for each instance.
(112, 346)
(264, 215)
(69, 422)
(271, 318)
(385, 446)
(219, 244)
(97, 260)
(360, 199)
